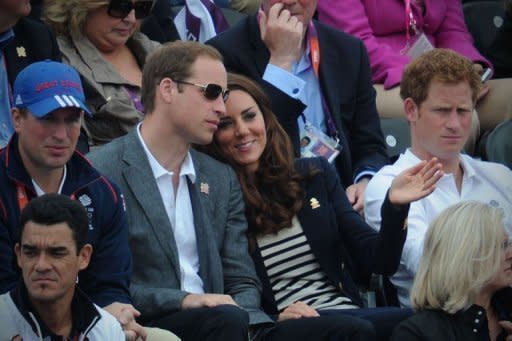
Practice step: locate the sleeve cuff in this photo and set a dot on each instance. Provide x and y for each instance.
(366, 173)
(284, 81)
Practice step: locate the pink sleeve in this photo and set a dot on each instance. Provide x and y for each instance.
(350, 16)
(453, 34)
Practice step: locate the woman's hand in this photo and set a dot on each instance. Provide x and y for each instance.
(296, 311)
(416, 182)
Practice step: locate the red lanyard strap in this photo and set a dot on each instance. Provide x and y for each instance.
(314, 55)
(23, 198)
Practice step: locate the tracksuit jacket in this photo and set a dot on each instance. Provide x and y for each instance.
(18, 318)
(106, 280)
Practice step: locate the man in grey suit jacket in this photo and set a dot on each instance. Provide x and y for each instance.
(192, 271)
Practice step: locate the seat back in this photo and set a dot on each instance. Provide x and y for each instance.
(498, 144)
(483, 19)
(397, 136)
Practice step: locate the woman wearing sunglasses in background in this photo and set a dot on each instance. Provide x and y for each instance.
(302, 228)
(462, 288)
(101, 40)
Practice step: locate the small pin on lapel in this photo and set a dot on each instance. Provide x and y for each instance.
(204, 188)
(314, 203)
(20, 50)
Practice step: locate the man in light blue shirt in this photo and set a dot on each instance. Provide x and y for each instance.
(6, 128)
(22, 42)
(10, 12)
(315, 74)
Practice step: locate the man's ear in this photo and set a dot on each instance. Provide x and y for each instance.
(84, 256)
(167, 89)
(17, 250)
(411, 110)
(16, 118)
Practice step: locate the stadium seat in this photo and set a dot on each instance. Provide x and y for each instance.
(396, 136)
(496, 146)
(483, 19)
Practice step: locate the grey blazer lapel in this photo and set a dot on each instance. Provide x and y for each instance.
(139, 177)
(210, 264)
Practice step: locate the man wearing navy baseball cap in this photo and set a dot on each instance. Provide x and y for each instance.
(41, 158)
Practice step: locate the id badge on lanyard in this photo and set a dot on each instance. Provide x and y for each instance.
(313, 141)
(417, 43)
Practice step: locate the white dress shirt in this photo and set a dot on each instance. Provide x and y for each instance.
(485, 182)
(179, 210)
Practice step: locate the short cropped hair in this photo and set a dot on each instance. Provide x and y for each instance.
(68, 16)
(173, 60)
(51, 209)
(441, 65)
(461, 254)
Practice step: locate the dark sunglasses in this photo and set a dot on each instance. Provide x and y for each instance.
(210, 91)
(121, 8)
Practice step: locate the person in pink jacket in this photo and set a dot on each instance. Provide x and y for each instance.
(382, 26)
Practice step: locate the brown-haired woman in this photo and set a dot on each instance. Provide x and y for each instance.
(302, 227)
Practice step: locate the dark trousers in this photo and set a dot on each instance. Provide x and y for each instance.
(224, 322)
(323, 328)
(384, 319)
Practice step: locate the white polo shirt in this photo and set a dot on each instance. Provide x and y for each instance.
(485, 182)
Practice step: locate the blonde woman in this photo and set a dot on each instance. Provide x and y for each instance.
(101, 40)
(462, 288)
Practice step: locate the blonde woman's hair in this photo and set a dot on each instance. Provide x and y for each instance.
(461, 254)
(68, 16)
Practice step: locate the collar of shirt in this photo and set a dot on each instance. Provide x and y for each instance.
(83, 313)
(187, 167)
(304, 63)
(469, 171)
(39, 190)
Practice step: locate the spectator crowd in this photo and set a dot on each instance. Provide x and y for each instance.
(216, 170)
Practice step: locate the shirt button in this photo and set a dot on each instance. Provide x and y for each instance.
(479, 312)
(477, 320)
(295, 91)
(475, 331)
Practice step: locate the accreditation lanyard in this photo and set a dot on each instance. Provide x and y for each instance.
(314, 55)
(410, 22)
(23, 198)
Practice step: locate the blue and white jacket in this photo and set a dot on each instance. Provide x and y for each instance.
(19, 320)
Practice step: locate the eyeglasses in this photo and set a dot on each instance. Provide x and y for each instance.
(121, 8)
(210, 91)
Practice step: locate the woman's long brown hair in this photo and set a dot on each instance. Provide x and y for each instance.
(273, 195)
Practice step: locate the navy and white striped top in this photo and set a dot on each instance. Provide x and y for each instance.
(294, 272)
